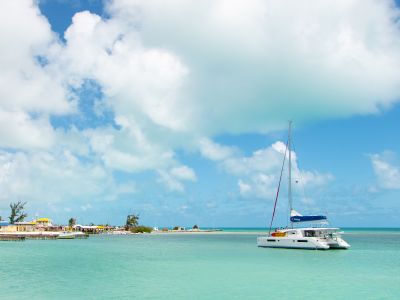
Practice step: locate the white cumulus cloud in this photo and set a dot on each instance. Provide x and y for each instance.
(30, 88)
(174, 177)
(387, 169)
(44, 177)
(255, 63)
(258, 174)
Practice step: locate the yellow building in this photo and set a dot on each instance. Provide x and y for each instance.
(36, 225)
(24, 226)
(43, 222)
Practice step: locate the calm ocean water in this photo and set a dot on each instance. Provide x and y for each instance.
(221, 266)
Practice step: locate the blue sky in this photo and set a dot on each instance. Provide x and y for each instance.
(179, 111)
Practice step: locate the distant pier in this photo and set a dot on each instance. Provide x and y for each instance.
(45, 235)
(15, 238)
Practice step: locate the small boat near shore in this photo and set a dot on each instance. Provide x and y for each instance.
(66, 236)
(312, 237)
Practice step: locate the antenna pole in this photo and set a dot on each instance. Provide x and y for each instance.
(290, 170)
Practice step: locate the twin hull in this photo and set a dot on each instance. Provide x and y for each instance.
(302, 243)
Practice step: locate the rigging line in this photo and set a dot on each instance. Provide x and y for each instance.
(279, 186)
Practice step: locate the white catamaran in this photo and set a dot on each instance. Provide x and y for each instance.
(311, 237)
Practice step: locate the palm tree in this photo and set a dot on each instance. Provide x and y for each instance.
(132, 221)
(17, 213)
(71, 222)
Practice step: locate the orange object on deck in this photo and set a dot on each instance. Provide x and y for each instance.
(278, 234)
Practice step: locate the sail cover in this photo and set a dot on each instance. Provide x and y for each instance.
(296, 217)
(307, 218)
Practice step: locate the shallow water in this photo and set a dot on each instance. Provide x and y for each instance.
(200, 266)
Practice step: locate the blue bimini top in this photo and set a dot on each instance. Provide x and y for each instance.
(307, 218)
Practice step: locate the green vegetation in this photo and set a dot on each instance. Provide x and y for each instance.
(132, 224)
(132, 221)
(141, 229)
(72, 222)
(17, 212)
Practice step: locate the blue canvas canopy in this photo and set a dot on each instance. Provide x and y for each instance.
(307, 218)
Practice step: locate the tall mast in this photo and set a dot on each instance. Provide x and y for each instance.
(290, 168)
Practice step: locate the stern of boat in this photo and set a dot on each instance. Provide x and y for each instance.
(339, 243)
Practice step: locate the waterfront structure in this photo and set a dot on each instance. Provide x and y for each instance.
(6, 226)
(92, 228)
(26, 226)
(41, 228)
(40, 224)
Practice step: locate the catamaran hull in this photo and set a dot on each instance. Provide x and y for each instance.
(301, 243)
(338, 243)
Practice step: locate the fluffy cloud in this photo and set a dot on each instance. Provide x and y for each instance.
(387, 169)
(137, 81)
(128, 149)
(30, 89)
(44, 177)
(19, 130)
(255, 63)
(173, 178)
(259, 185)
(140, 85)
(258, 174)
(183, 173)
(214, 151)
(229, 70)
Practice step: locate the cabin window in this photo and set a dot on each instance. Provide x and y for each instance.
(302, 241)
(270, 240)
(309, 233)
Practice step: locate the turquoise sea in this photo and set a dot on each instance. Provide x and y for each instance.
(200, 266)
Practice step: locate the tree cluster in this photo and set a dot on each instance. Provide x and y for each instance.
(132, 224)
(132, 221)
